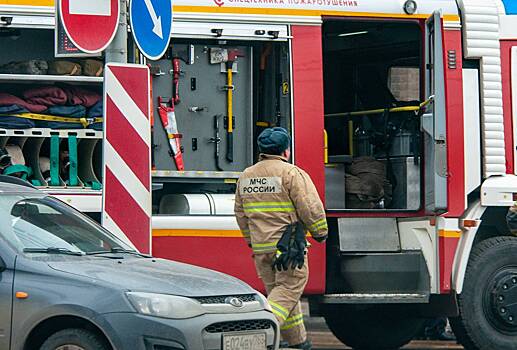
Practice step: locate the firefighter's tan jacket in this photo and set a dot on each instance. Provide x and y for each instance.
(273, 194)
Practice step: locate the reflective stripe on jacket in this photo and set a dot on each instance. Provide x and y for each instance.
(273, 194)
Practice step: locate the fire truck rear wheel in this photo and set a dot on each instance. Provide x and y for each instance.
(487, 305)
(373, 327)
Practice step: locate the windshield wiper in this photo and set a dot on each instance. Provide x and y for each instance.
(52, 250)
(119, 250)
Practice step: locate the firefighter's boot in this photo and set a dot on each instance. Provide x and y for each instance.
(283, 344)
(306, 345)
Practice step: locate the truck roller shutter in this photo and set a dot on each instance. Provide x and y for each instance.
(480, 19)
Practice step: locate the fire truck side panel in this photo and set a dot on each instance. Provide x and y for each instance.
(217, 243)
(512, 123)
(448, 235)
(472, 129)
(226, 254)
(448, 238)
(457, 201)
(461, 259)
(308, 102)
(508, 63)
(308, 124)
(420, 235)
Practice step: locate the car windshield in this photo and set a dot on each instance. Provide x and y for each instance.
(42, 224)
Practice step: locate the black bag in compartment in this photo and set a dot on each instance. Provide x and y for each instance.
(32, 67)
(366, 185)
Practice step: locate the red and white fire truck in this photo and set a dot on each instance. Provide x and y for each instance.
(403, 114)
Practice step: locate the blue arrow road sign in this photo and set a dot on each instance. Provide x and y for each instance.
(151, 25)
(511, 7)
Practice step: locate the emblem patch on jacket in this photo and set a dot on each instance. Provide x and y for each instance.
(257, 185)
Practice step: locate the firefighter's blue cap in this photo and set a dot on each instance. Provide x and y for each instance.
(274, 141)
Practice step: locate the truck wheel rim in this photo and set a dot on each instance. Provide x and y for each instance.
(69, 347)
(500, 300)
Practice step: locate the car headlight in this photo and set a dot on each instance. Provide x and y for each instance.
(166, 306)
(264, 302)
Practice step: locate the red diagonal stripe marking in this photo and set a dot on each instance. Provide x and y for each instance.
(126, 212)
(134, 153)
(131, 79)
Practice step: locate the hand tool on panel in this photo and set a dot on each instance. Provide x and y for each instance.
(232, 57)
(177, 56)
(168, 118)
(227, 56)
(216, 140)
(264, 56)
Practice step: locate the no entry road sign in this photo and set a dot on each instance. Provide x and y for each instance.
(127, 154)
(91, 24)
(151, 25)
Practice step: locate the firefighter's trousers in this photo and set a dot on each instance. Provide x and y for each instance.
(284, 290)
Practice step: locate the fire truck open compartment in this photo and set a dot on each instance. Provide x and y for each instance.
(261, 98)
(374, 154)
(27, 62)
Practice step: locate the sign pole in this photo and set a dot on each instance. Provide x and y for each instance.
(117, 51)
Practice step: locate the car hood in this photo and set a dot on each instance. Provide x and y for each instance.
(154, 276)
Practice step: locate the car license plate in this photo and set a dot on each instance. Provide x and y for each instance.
(253, 341)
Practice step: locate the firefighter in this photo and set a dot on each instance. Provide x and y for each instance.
(274, 202)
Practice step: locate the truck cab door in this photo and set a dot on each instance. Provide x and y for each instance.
(6, 300)
(434, 119)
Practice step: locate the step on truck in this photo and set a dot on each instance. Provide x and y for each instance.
(402, 112)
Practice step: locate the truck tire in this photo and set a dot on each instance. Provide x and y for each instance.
(372, 327)
(487, 311)
(74, 339)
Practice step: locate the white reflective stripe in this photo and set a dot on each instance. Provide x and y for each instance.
(292, 322)
(125, 175)
(322, 223)
(90, 7)
(264, 247)
(110, 225)
(127, 107)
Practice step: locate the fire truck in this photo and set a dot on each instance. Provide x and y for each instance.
(402, 112)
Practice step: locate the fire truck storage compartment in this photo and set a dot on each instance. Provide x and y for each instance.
(261, 97)
(76, 154)
(260, 94)
(372, 80)
(65, 149)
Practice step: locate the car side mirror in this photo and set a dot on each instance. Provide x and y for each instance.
(3, 266)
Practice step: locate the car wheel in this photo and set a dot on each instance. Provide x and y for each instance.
(74, 339)
(487, 309)
(373, 328)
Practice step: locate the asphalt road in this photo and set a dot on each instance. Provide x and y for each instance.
(323, 339)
